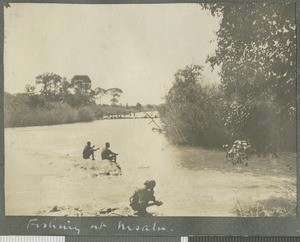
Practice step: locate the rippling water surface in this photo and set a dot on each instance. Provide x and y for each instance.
(191, 181)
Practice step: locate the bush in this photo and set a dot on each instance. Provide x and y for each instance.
(199, 114)
(85, 114)
(19, 112)
(240, 152)
(58, 114)
(193, 113)
(51, 113)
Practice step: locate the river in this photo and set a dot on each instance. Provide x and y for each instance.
(191, 181)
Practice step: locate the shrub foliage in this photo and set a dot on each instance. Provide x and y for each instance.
(256, 101)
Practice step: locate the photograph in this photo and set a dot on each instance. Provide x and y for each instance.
(150, 110)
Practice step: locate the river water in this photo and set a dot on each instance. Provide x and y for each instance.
(191, 181)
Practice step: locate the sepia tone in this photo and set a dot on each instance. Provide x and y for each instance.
(197, 100)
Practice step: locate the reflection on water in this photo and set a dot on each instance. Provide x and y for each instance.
(191, 181)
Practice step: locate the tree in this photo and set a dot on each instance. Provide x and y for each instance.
(138, 106)
(30, 90)
(151, 106)
(64, 89)
(257, 54)
(34, 99)
(257, 49)
(50, 83)
(83, 93)
(192, 113)
(115, 95)
(82, 84)
(99, 93)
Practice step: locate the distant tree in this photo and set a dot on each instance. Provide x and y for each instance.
(82, 84)
(149, 106)
(30, 90)
(83, 93)
(34, 99)
(138, 106)
(64, 89)
(115, 94)
(50, 83)
(99, 93)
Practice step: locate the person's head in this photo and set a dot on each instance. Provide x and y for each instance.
(88, 143)
(150, 184)
(107, 145)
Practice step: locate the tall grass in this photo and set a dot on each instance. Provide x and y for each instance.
(196, 113)
(55, 113)
(85, 114)
(22, 110)
(195, 118)
(273, 207)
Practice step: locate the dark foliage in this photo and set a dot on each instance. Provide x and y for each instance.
(193, 112)
(256, 100)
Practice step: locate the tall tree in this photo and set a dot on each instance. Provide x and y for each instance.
(257, 54)
(257, 49)
(115, 95)
(192, 113)
(50, 83)
(64, 89)
(139, 107)
(99, 93)
(82, 84)
(83, 93)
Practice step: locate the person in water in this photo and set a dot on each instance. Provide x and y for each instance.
(143, 198)
(88, 151)
(108, 154)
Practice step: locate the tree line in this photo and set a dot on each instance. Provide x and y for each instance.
(256, 100)
(55, 100)
(77, 92)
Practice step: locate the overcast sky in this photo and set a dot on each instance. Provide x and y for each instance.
(137, 48)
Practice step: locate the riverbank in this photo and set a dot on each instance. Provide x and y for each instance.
(19, 113)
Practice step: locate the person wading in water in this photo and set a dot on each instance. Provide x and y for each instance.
(88, 151)
(143, 198)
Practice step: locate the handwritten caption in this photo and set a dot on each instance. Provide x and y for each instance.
(68, 226)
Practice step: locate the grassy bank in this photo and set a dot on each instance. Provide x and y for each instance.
(19, 112)
(59, 114)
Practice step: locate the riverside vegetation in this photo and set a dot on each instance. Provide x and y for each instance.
(256, 100)
(60, 101)
(255, 103)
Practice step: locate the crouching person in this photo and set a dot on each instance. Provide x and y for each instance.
(88, 151)
(143, 198)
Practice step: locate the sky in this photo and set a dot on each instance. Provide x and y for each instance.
(135, 47)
